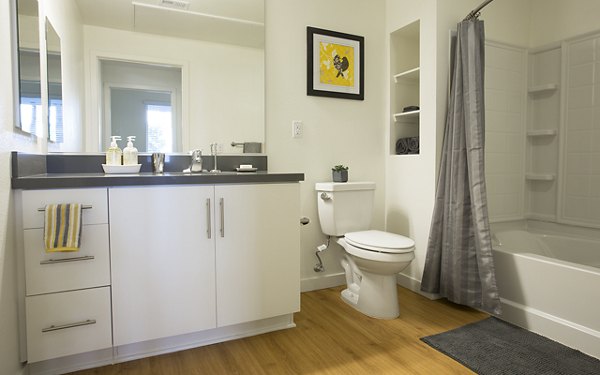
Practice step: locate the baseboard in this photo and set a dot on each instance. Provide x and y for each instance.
(413, 284)
(322, 282)
(566, 332)
(150, 348)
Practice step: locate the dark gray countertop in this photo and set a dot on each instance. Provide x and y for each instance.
(32, 171)
(76, 180)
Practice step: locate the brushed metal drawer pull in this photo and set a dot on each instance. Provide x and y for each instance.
(222, 205)
(83, 207)
(65, 260)
(208, 223)
(70, 325)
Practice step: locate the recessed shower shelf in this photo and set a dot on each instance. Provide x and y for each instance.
(542, 88)
(409, 76)
(541, 133)
(539, 177)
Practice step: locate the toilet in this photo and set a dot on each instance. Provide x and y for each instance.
(372, 257)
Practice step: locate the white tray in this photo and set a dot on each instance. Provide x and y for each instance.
(134, 168)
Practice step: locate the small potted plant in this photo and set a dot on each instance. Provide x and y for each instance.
(340, 173)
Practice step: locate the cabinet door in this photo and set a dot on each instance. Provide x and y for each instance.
(163, 276)
(258, 251)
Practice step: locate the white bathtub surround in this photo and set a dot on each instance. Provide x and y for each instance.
(459, 263)
(564, 305)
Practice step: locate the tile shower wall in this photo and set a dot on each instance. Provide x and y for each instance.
(505, 77)
(581, 143)
(543, 116)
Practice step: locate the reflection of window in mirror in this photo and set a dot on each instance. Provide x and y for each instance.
(159, 130)
(142, 100)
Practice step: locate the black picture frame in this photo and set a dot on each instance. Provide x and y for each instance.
(332, 73)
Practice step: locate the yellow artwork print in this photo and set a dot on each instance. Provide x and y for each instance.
(336, 64)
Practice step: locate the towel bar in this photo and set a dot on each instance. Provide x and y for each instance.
(83, 207)
(65, 260)
(70, 325)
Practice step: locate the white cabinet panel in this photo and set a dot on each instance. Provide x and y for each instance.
(35, 199)
(61, 271)
(258, 255)
(163, 275)
(61, 324)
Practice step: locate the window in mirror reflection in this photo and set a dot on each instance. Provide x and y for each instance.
(159, 134)
(142, 100)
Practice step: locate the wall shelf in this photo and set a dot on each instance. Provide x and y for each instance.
(409, 76)
(539, 177)
(542, 88)
(406, 115)
(542, 133)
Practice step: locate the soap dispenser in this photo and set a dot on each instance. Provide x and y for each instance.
(113, 154)
(130, 153)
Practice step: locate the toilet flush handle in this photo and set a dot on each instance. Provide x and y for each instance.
(325, 196)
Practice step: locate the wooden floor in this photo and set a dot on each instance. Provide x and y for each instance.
(330, 338)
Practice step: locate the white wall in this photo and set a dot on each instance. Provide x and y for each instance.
(336, 131)
(9, 140)
(555, 20)
(223, 92)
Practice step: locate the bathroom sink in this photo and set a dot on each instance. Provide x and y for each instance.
(204, 173)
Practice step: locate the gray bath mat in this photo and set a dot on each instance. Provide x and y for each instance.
(492, 346)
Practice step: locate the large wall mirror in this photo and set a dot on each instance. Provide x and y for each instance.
(28, 107)
(217, 47)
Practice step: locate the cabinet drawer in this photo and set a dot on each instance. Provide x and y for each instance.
(62, 324)
(61, 271)
(35, 199)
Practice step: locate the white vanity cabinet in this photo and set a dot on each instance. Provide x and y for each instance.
(162, 257)
(67, 295)
(194, 257)
(258, 253)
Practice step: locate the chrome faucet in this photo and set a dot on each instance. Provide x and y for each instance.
(196, 162)
(214, 148)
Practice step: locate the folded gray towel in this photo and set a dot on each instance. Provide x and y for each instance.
(408, 145)
(402, 146)
(413, 145)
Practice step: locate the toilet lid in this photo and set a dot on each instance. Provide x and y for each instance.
(380, 241)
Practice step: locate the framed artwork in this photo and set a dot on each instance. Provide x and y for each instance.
(335, 64)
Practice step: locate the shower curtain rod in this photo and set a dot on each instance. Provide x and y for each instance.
(475, 12)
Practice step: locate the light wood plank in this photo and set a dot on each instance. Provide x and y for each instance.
(330, 338)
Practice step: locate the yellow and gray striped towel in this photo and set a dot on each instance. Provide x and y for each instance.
(62, 227)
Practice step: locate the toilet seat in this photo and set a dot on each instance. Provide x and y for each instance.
(379, 241)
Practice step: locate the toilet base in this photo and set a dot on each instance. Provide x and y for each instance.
(376, 297)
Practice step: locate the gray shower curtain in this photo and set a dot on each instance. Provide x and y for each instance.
(459, 263)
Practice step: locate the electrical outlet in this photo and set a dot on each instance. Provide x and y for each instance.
(220, 148)
(297, 129)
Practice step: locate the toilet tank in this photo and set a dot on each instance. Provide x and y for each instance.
(345, 207)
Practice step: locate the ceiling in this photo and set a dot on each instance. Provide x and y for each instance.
(239, 22)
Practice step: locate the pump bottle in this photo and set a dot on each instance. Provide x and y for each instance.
(114, 153)
(130, 153)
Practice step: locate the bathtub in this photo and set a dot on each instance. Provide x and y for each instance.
(550, 284)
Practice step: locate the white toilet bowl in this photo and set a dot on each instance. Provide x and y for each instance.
(373, 258)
